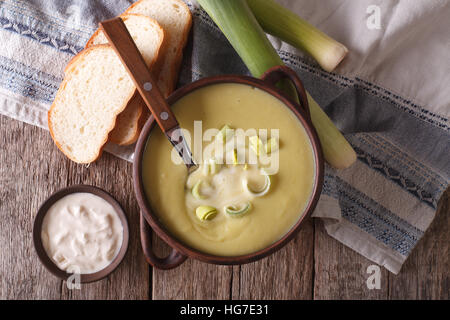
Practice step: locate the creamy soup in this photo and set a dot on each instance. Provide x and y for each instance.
(247, 194)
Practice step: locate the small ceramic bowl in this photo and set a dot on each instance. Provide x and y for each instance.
(37, 228)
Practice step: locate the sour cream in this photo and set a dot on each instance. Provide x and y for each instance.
(82, 233)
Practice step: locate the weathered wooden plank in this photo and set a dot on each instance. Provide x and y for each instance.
(340, 272)
(426, 273)
(191, 280)
(30, 169)
(287, 274)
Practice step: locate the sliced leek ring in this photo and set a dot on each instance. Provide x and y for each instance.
(205, 213)
(196, 190)
(271, 145)
(264, 190)
(211, 166)
(234, 211)
(235, 158)
(214, 166)
(256, 144)
(206, 168)
(225, 133)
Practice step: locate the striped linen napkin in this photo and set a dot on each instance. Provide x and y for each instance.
(390, 97)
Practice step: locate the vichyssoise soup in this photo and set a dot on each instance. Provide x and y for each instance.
(255, 178)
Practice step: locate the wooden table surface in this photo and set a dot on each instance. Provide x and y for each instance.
(312, 266)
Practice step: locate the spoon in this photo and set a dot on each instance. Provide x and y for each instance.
(122, 42)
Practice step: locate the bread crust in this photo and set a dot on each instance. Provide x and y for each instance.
(179, 54)
(62, 87)
(141, 122)
(155, 65)
(89, 43)
(156, 69)
(122, 140)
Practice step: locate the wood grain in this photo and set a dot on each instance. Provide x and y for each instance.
(340, 272)
(313, 265)
(27, 177)
(191, 280)
(287, 274)
(31, 169)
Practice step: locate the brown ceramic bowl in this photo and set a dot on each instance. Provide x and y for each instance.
(180, 251)
(37, 228)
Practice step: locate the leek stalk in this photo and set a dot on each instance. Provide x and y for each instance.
(243, 31)
(286, 25)
(239, 25)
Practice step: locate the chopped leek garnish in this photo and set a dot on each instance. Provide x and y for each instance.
(196, 190)
(214, 166)
(206, 168)
(256, 144)
(225, 133)
(211, 166)
(205, 212)
(271, 145)
(235, 157)
(234, 211)
(264, 190)
(241, 28)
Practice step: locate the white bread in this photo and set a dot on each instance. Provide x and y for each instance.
(96, 88)
(146, 33)
(176, 20)
(149, 38)
(130, 122)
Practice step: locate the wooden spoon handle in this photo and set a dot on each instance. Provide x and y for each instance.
(119, 38)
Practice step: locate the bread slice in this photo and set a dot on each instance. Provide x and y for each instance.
(146, 33)
(96, 88)
(129, 122)
(149, 38)
(176, 20)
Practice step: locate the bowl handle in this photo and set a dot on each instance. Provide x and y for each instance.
(277, 73)
(173, 260)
